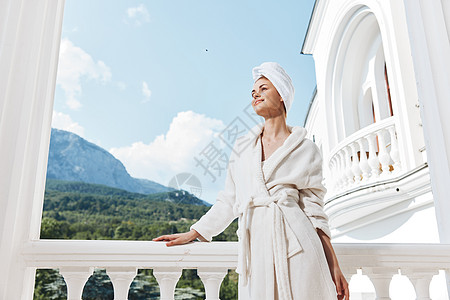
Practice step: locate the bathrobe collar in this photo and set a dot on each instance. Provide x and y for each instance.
(291, 142)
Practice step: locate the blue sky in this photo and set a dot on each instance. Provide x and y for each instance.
(154, 82)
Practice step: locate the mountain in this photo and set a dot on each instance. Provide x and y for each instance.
(72, 158)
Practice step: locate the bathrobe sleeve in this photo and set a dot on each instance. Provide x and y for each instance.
(221, 214)
(313, 193)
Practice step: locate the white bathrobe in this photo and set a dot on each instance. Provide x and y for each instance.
(279, 206)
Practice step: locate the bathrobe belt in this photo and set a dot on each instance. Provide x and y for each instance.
(279, 238)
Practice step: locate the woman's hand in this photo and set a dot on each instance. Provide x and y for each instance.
(341, 283)
(178, 238)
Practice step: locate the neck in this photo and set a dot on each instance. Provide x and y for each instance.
(275, 127)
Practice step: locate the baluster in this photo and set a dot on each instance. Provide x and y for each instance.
(121, 279)
(212, 279)
(340, 171)
(330, 181)
(356, 170)
(167, 279)
(334, 167)
(421, 281)
(337, 173)
(348, 167)
(374, 163)
(383, 155)
(343, 176)
(381, 279)
(395, 154)
(363, 163)
(75, 278)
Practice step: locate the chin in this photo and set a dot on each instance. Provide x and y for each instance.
(257, 110)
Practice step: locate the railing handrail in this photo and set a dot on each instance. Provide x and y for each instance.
(142, 254)
(361, 133)
(149, 254)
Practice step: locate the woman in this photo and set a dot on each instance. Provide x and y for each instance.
(274, 185)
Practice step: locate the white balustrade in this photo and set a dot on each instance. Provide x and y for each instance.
(121, 259)
(368, 155)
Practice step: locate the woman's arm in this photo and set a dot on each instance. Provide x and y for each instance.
(336, 273)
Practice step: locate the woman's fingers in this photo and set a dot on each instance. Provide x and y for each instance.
(337, 282)
(159, 238)
(162, 238)
(166, 237)
(174, 239)
(178, 241)
(343, 288)
(173, 242)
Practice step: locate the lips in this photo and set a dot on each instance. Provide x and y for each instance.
(258, 101)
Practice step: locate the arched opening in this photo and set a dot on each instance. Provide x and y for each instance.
(358, 85)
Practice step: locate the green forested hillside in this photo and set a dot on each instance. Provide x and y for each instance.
(86, 211)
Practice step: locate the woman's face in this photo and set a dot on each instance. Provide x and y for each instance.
(266, 101)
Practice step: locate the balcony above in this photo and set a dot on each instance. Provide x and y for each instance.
(367, 175)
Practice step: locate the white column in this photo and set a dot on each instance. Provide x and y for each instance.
(30, 34)
(430, 48)
(167, 279)
(212, 279)
(121, 279)
(75, 278)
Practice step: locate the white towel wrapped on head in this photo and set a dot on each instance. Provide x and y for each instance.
(279, 78)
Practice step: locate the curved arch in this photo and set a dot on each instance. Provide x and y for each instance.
(355, 18)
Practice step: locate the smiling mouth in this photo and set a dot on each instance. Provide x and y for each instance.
(258, 101)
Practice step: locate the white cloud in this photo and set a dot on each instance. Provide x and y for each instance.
(65, 122)
(138, 15)
(146, 91)
(172, 153)
(74, 64)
